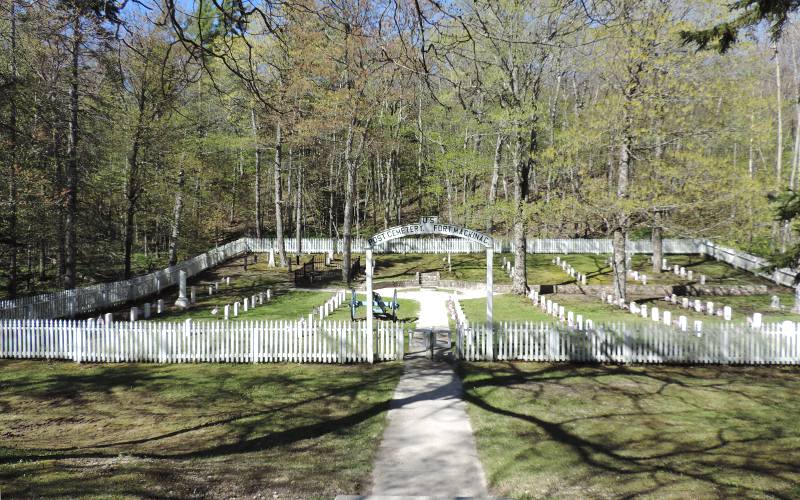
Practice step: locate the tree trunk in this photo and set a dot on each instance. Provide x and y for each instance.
(498, 152)
(420, 152)
(278, 194)
(779, 103)
(349, 193)
(621, 225)
(519, 276)
(176, 220)
(257, 144)
(298, 210)
(12, 176)
(657, 242)
(132, 193)
(72, 162)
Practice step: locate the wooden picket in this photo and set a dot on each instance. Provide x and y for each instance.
(774, 344)
(201, 341)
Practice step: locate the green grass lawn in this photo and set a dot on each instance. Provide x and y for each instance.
(289, 305)
(509, 307)
(201, 430)
(541, 270)
(598, 271)
(568, 431)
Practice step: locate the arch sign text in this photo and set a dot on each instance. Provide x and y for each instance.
(430, 225)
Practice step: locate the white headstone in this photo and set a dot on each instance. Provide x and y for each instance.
(685, 302)
(269, 294)
(727, 313)
(683, 323)
(561, 312)
(775, 303)
(227, 311)
(644, 310)
(182, 301)
(666, 318)
(664, 265)
(644, 279)
(683, 272)
(227, 280)
(690, 275)
(147, 310)
(235, 309)
(246, 304)
(698, 327)
(673, 298)
(109, 318)
(702, 279)
(757, 321)
(654, 314)
(698, 306)
(710, 308)
(160, 306)
(260, 298)
(134, 313)
(579, 321)
(583, 279)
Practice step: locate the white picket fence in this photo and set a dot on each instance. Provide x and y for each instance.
(201, 341)
(743, 260)
(91, 299)
(457, 245)
(775, 344)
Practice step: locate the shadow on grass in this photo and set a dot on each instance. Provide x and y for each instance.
(732, 443)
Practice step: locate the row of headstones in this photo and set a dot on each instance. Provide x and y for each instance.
(656, 315)
(212, 288)
(146, 311)
(682, 272)
(558, 311)
(709, 308)
(678, 270)
(571, 271)
(332, 304)
(247, 304)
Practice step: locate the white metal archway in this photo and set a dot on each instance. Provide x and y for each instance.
(431, 225)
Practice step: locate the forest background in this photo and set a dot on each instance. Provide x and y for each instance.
(133, 135)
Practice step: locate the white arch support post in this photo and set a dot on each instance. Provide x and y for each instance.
(368, 303)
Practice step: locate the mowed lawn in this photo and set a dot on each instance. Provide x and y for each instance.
(568, 431)
(289, 305)
(190, 431)
(509, 307)
(542, 270)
